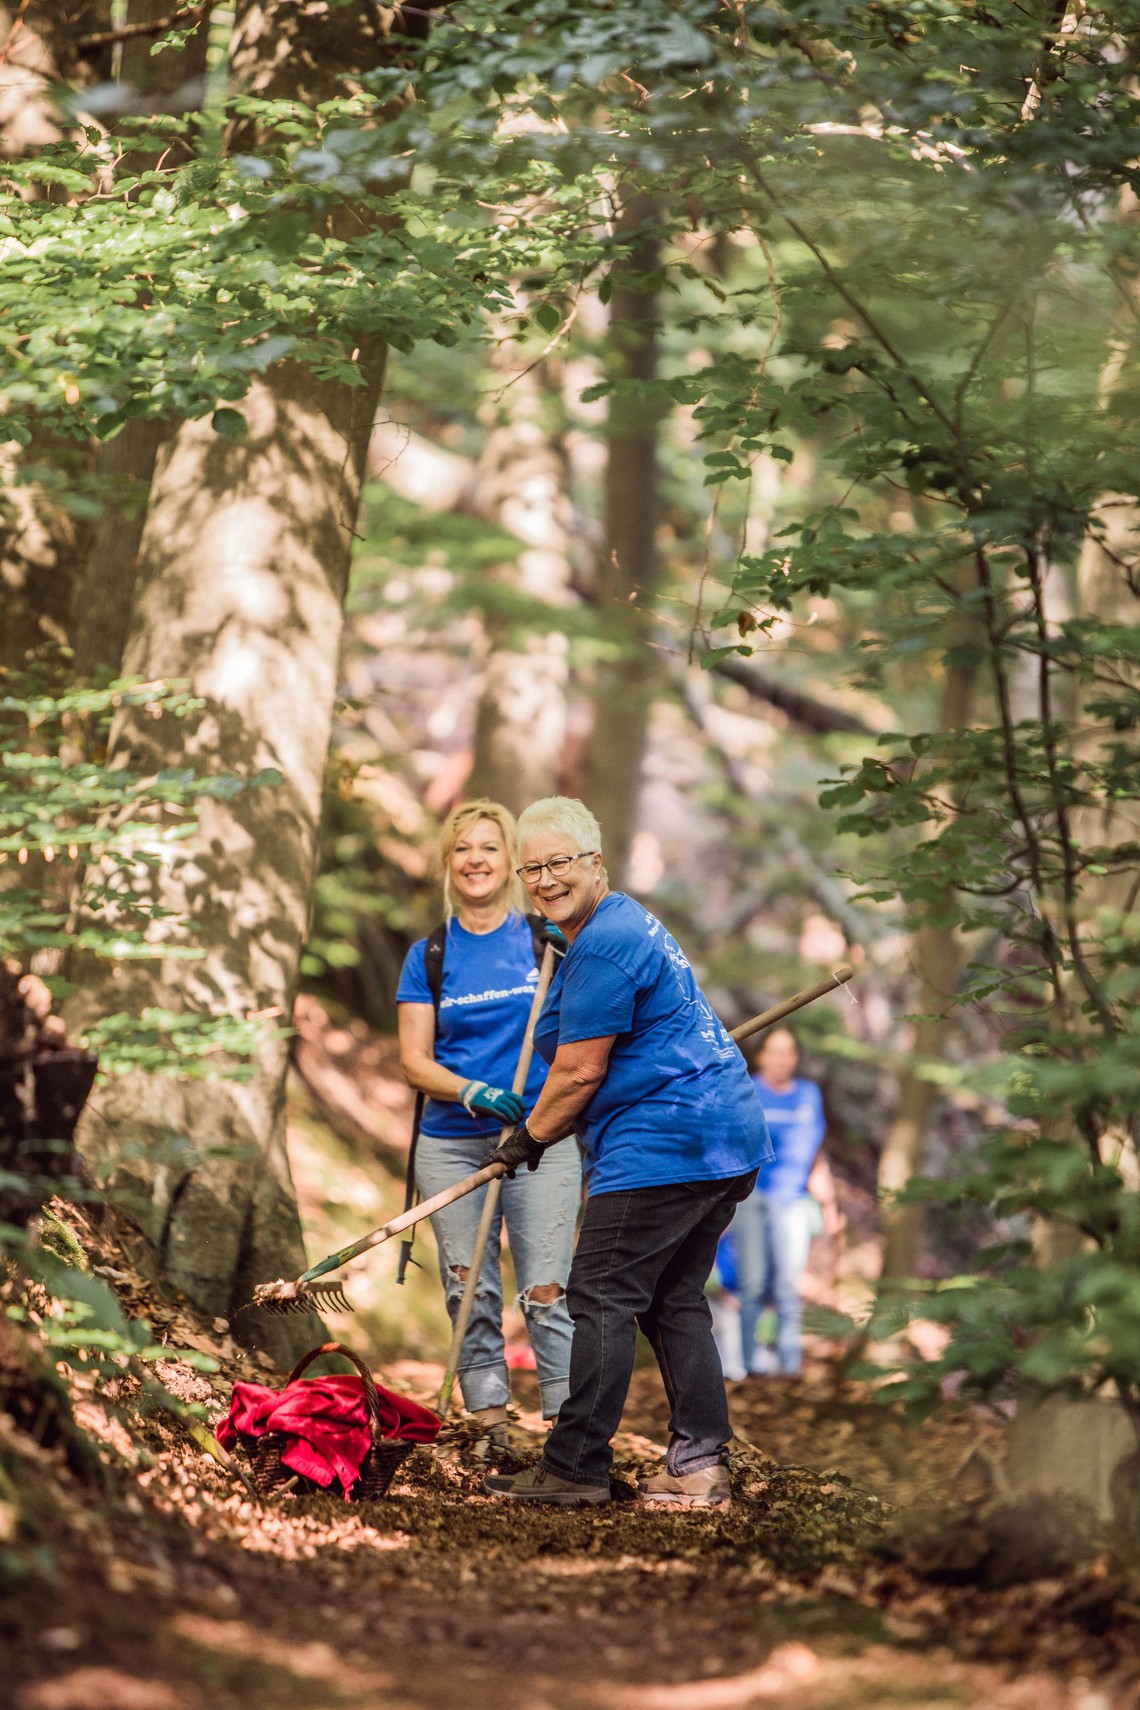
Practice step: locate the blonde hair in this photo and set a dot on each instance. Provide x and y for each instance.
(461, 819)
(561, 816)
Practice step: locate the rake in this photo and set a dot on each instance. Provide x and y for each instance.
(491, 1203)
(308, 1291)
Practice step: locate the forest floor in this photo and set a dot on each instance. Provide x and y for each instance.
(865, 1563)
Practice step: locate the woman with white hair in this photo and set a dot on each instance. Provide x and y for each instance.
(673, 1135)
(461, 1030)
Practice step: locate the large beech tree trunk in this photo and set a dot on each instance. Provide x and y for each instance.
(243, 569)
(40, 542)
(124, 465)
(102, 595)
(60, 580)
(39, 545)
(628, 572)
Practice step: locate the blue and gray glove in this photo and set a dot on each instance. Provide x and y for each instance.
(555, 937)
(478, 1099)
(520, 1147)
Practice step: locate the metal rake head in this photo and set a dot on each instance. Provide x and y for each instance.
(282, 1297)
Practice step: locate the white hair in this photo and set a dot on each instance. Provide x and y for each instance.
(561, 816)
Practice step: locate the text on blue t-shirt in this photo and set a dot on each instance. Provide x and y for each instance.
(489, 980)
(677, 1104)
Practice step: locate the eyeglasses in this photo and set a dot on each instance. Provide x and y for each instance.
(558, 866)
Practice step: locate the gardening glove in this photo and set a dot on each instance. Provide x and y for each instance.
(555, 937)
(478, 1099)
(519, 1147)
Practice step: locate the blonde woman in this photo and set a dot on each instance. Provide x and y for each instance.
(459, 1046)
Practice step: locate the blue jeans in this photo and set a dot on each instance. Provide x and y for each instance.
(773, 1240)
(644, 1256)
(541, 1209)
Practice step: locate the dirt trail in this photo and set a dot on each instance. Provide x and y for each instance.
(181, 1594)
(864, 1563)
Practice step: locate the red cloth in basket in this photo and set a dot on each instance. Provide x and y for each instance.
(325, 1420)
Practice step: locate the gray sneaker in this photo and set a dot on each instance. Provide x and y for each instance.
(540, 1484)
(709, 1488)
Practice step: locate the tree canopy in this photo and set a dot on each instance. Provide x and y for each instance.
(897, 240)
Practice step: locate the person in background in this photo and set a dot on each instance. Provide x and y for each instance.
(772, 1230)
(660, 1099)
(464, 1060)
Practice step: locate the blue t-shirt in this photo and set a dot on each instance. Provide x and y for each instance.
(677, 1103)
(488, 987)
(796, 1123)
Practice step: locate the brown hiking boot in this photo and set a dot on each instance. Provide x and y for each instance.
(540, 1484)
(493, 1444)
(708, 1488)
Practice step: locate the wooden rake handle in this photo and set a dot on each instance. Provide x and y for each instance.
(492, 1172)
(426, 1207)
(838, 977)
(483, 1233)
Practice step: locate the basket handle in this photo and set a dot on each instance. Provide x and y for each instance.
(370, 1395)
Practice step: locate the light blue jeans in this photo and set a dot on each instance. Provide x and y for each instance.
(541, 1210)
(773, 1240)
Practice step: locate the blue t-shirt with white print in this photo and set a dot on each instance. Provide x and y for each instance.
(677, 1104)
(488, 987)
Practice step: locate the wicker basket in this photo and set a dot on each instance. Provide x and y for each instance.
(380, 1463)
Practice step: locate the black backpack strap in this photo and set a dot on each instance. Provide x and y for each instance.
(433, 963)
(433, 969)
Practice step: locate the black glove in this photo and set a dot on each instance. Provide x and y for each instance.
(519, 1147)
(554, 936)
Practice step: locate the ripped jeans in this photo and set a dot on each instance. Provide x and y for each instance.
(541, 1210)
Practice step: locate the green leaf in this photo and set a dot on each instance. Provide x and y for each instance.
(231, 424)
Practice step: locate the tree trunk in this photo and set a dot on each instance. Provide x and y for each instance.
(40, 543)
(39, 546)
(243, 569)
(103, 593)
(1108, 588)
(628, 574)
(936, 959)
(124, 465)
(179, 74)
(41, 53)
(520, 722)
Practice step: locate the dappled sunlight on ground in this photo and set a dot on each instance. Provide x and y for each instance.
(865, 1565)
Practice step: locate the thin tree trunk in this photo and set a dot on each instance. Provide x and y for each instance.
(627, 577)
(243, 570)
(520, 722)
(936, 960)
(1108, 588)
(179, 74)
